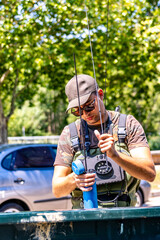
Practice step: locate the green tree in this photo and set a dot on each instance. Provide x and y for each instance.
(38, 39)
(128, 51)
(31, 53)
(20, 59)
(28, 120)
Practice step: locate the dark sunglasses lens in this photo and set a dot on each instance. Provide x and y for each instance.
(75, 112)
(88, 109)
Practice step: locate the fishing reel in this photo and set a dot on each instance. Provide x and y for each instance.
(89, 197)
(107, 170)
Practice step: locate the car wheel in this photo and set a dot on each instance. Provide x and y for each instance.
(139, 198)
(11, 207)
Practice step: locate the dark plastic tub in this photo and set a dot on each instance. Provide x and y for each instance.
(109, 224)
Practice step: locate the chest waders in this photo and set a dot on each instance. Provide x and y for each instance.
(115, 187)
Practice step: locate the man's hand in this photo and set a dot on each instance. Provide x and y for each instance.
(139, 165)
(106, 144)
(85, 181)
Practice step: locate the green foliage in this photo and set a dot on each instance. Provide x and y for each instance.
(129, 51)
(32, 119)
(53, 106)
(39, 118)
(31, 52)
(154, 142)
(37, 42)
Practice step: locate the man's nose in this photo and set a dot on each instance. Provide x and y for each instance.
(86, 113)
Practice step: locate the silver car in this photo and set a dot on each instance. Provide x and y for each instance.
(143, 193)
(26, 178)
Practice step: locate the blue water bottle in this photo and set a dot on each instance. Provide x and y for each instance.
(90, 197)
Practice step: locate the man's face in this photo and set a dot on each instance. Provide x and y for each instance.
(92, 117)
(90, 110)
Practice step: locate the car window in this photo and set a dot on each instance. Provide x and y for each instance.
(33, 157)
(7, 161)
(54, 150)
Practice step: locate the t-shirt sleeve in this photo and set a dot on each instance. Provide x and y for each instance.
(135, 134)
(64, 155)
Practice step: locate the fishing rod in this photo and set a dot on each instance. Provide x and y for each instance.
(96, 163)
(93, 60)
(106, 61)
(89, 197)
(100, 114)
(79, 105)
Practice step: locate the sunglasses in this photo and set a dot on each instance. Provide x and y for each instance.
(87, 108)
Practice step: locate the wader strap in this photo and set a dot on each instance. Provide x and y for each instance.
(122, 128)
(87, 140)
(74, 136)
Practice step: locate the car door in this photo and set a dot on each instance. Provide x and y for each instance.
(32, 178)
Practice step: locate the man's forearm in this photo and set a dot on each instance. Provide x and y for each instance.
(139, 168)
(140, 164)
(62, 186)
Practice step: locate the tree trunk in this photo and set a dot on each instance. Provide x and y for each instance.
(3, 126)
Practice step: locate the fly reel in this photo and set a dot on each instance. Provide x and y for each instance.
(107, 170)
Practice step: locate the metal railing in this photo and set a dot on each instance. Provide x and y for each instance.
(33, 139)
(54, 140)
(156, 156)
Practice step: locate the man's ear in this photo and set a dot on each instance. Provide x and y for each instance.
(100, 92)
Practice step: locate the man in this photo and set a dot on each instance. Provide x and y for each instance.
(137, 163)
